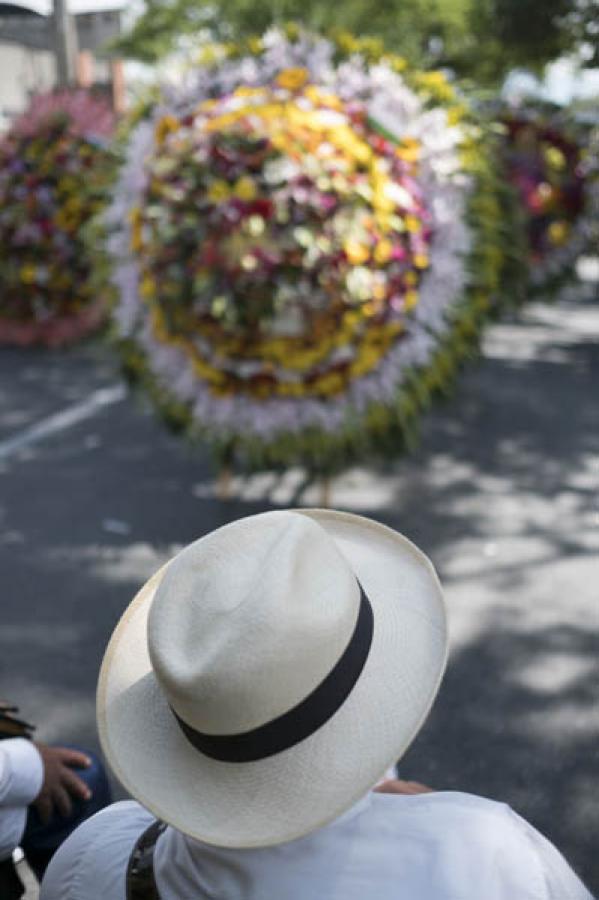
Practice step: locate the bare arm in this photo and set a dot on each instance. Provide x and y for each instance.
(60, 784)
(398, 786)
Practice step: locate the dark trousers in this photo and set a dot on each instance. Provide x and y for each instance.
(10, 883)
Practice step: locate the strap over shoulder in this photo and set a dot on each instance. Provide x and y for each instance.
(141, 883)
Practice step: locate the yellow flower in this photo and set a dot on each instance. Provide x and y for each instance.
(397, 63)
(371, 47)
(411, 299)
(380, 201)
(165, 126)
(147, 288)
(218, 191)
(207, 55)
(455, 114)
(246, 91)
(206, 106)
(245, 188)
(292, 79)
(409, 150)
(292, 30)
(73, 205)
(212, 53)
(207, 372)
(437, 84)
(554, 158)
(255, 45)
(366, 361)
(421, 261)
(413, 224)
(347, 42)
(379, 292)
(558, 233)
(329, 384)
(356, 252)
(383, 251)
(285, 389)
(28, 274)
(319, 97)
(135, 220)
(434, 78)
(384, 221)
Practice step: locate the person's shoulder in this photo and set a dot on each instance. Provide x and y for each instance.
(460, 801)
(92, 861)
(115, 821)
(456, 825)
(446, 803)
(463, 831)
(121, 811)
(446, 813)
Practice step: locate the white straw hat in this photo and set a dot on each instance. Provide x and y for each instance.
(262, 681)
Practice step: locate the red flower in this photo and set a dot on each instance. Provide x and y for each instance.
(210, 254)
(261, 207)
(46, 227)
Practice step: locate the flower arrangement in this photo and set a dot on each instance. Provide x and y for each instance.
(53, 176)
(304, 243)
(549, 166)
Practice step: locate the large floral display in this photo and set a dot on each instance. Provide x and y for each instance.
(549, 163)
(53, 174)
(304, 243)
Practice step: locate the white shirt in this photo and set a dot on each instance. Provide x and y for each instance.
(441, 846)
(21, 777)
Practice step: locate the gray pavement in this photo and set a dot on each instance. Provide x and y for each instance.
(501, 493)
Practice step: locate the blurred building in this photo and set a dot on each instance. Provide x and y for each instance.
(27, 63)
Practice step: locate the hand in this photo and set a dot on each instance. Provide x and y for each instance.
(60, 782)
(397, 786)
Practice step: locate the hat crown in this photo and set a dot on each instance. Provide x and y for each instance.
(248, 620)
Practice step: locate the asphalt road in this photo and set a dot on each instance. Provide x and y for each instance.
(502, 494)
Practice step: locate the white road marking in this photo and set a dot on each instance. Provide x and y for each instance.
(63, 420)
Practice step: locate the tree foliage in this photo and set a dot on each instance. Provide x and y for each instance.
(480, 39)
(582, 22)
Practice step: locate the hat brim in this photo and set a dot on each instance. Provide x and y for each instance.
(292, 793)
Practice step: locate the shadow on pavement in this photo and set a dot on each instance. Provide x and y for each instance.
(501, 494)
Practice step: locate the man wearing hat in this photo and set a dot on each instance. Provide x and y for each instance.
(252, 695)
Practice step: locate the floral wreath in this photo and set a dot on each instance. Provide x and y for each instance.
(554, 173)
(304, 243)
(53, 174)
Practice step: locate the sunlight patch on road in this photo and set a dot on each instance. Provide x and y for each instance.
(63, 420)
